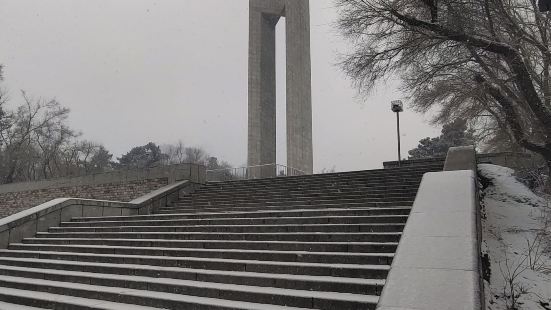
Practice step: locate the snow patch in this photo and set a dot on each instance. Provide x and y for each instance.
(516, 239)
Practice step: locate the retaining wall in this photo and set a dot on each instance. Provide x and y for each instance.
(121, 185)
(27, 223)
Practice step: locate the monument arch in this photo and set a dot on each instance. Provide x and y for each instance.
(263, 18)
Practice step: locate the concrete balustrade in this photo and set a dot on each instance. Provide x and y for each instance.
(437, 263)
(27, 223)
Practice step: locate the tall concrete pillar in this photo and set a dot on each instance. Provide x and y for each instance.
(263, 17)
(299, 89)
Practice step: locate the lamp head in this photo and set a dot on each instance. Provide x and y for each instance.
(397, 106)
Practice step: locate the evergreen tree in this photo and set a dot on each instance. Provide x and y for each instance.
(141, 156)
(453, 134)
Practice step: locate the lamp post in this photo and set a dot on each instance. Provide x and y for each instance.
(398, 107)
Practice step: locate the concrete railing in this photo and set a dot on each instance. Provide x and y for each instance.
(437, 263)
(27, 223)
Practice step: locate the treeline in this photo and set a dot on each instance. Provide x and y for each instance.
(151, 155)
(36, 143)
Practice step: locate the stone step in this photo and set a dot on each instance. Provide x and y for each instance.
(342, 219)
(229, 209)
(265, 199)
(381, 227)
(286, 202)
(171, 257)
(316, 180)
(364, 175)
(397, 170)
(312, 193)
(20, 299)
(241, 265)
(282, 189)
(289, 206)
(140, 297)
(362, 247)
(323, 179)
(200, 210)
(258, 236)
(253, 214)
(59, 269)
(276, 212)
(329, 188)
(169, 211)
(229, 194)
(388, 182)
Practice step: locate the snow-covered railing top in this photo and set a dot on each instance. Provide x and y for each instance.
(437, 265)
(27, 223)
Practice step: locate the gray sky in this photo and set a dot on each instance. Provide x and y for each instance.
(134, 71)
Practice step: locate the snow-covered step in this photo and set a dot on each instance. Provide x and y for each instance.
(237, 292)
(289, 281)
(171, 257)
(257, 213)
(253, 206)
(345, 219)
(373, 227)
(276, 267)
(258, 236)
(361, 247)
(115, 298)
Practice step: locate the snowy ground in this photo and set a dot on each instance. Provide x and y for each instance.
(517, 239)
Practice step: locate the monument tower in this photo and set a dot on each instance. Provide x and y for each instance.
(263, 17)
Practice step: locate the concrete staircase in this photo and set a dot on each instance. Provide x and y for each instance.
(308, 242)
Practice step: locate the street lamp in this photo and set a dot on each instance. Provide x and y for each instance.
(398, 107)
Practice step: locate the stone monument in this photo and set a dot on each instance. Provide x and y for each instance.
(263, 17)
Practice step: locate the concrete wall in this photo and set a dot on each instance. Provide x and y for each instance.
(26, 223)
(512, 160)
(123, 185)
(414, 162)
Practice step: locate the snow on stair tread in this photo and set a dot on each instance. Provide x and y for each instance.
(298, 253)
(100, 304)
(321, 233)
(218, 225)
(142, 293)
(249, 218)
(210, 285)
(276, 263)
(8, 306)
(200, 271)
(220, 241)
(229, 211)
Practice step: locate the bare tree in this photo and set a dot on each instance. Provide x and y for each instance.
(195, 155)
(30, 130)
(487, 61)
(175, 153)
(36, 143)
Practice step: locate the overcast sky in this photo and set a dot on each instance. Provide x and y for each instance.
(134, 71)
